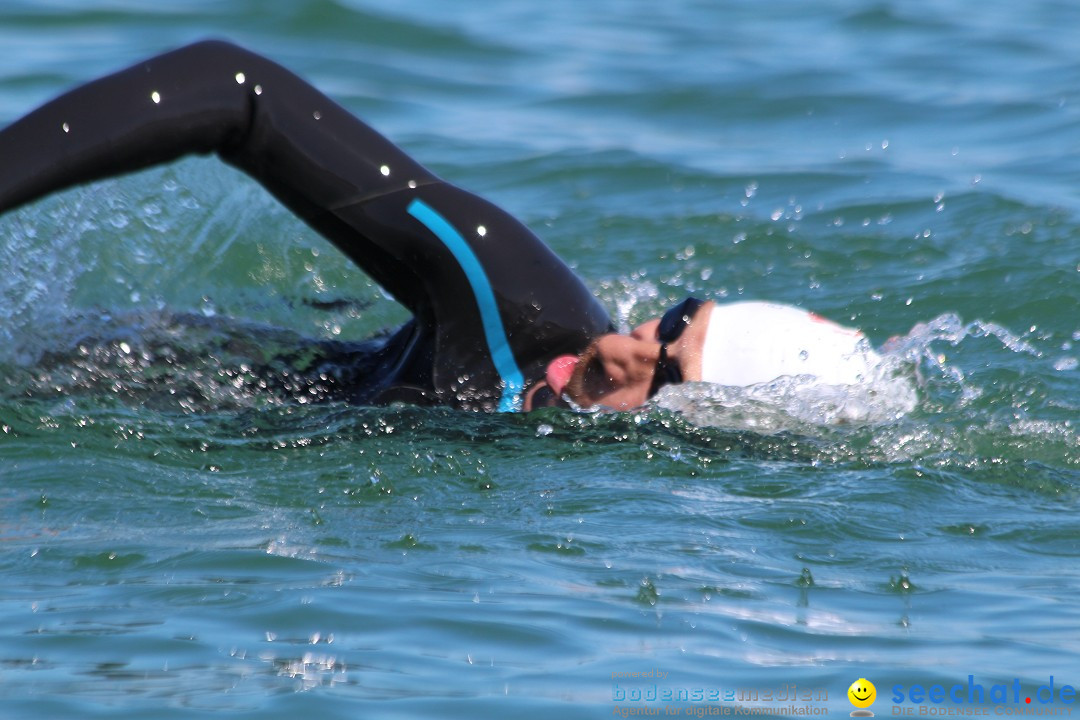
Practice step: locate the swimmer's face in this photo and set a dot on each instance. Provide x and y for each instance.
(619, 372)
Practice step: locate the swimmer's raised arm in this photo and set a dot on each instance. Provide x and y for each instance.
(495, 300)
(207, 97)
(213, 97)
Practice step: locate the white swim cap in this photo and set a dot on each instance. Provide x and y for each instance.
(748, 343)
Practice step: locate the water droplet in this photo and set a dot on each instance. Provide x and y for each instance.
(385, 170)
(481, 230)
(317, 115)
(902, 584)
(804, 355)
(66, 127)
(240, 78)
(156, 97)
(648, 592)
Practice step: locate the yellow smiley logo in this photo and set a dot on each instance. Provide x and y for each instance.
(862, 693)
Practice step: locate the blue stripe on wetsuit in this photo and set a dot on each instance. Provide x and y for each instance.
(494, 332)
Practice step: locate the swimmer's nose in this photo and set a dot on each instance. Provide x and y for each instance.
(559, 371)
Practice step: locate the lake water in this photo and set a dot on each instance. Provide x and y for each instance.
(178, 544)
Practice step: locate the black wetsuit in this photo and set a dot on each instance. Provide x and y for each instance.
(492, 304)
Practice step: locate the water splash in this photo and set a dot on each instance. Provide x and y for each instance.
(38, 276)
(914, 374)
(950, 394)
(800, 403)
(191, 362)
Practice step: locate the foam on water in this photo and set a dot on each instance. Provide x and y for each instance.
(921, 405)
(909, 367)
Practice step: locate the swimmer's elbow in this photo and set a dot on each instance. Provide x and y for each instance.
(215, 53)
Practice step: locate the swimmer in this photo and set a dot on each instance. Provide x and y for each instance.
(499, 321)
(740, 344)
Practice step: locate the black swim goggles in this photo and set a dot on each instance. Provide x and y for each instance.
(671, 328)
